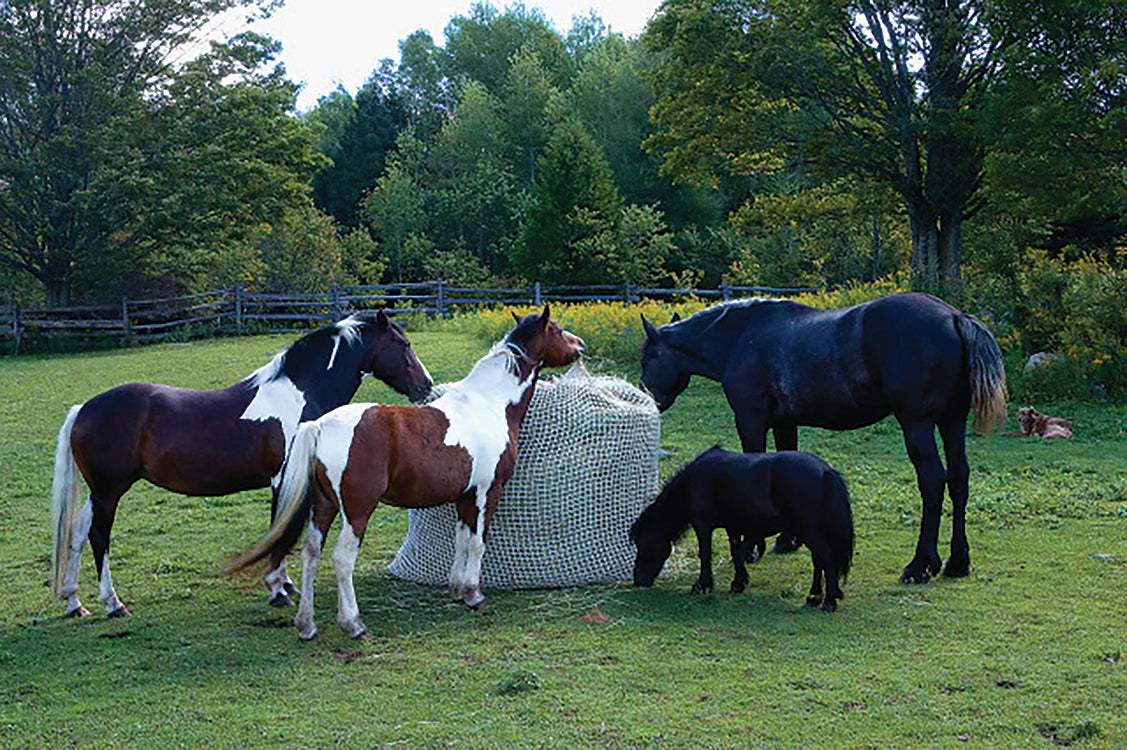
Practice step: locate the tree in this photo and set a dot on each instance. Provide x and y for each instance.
(574, 202)
(76, 85)
(227, 159)
(365, 141)
(891, 93)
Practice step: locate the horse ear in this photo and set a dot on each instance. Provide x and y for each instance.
(676, 317)
(515, 316)
(382, 321)
(651, 332)
(545, 316)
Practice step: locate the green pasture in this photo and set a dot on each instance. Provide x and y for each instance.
(1027, 651)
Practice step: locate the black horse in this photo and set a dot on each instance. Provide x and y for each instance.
(783, 364)
(751, 495)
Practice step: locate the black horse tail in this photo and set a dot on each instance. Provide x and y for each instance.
(295, 500)
(987, 373)
(837, 522)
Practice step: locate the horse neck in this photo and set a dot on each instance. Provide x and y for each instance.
(670, 510)
(705, 342)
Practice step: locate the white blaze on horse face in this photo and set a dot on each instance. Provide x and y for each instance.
(475, 408)
(278, 398)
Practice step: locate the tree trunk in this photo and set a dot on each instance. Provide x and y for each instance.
(950, 248)
(925, 248)
(58, 293)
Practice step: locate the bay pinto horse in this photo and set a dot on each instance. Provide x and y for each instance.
(751, 496)
(208, 443)
(460, 448)
(783, 364)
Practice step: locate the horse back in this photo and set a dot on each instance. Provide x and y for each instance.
(191, 442)
(848, 368)
(398, 454)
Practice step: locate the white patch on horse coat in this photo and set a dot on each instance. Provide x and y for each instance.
(277, 399)
(348, 330)
(475, 408)
(335, 441)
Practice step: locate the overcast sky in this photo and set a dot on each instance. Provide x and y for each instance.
(331, 42)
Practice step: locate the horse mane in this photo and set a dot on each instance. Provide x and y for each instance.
(349, 330)
(669, 512)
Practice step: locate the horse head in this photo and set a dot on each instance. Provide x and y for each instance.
(653, 547)
(544, 342)
(389, 357)
(663, 376)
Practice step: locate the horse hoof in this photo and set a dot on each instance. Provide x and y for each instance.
(813, 601)
(829, 605)
(698, 588)
(957, 569)
(290, 589)
(118, 612)
(306, 631)
(737, 588)
(356, 630)
(281, 599)
(911, 576)
(78, 611)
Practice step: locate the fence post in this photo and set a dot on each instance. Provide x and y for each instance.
(440, 298)
(726, 290)
(126, 323)
(334, 292)
(536, 294)
(16, 329)
(238, 309)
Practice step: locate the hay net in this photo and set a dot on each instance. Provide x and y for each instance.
(587, 463)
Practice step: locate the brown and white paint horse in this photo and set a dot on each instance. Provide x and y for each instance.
(460, 448)
(209, 443)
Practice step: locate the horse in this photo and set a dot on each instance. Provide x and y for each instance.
(208, 443)
(460, 448)
(784, 364)
(751, 495)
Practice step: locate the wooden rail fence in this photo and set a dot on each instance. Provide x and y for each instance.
(237, 311)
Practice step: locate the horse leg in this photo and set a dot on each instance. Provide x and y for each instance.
(472, 595)
(824, 565)
(469, 546)
(740, 545)
(79, 535)
(282, 589)
(919, 437)
(344, 563)
(953, 432)
(103, 510)
(704, 547)
(814, 598)
(322, 519)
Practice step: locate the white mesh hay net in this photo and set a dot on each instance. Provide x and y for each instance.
(586, 466)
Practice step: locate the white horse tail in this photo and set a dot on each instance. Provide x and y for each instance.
(294, 499)
(66, 490)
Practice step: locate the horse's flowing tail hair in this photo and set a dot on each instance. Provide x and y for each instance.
(837, 522)
(987, 373)
(295, 499)
(66, 490)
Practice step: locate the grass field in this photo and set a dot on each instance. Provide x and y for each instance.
(1028, 650)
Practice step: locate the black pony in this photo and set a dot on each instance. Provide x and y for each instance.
(783, 364)
(751, 495)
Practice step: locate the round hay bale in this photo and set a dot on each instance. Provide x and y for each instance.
(586, 466)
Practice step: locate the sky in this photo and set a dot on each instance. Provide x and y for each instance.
(326, 43)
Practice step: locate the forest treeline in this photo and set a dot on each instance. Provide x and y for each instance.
(973, 148)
